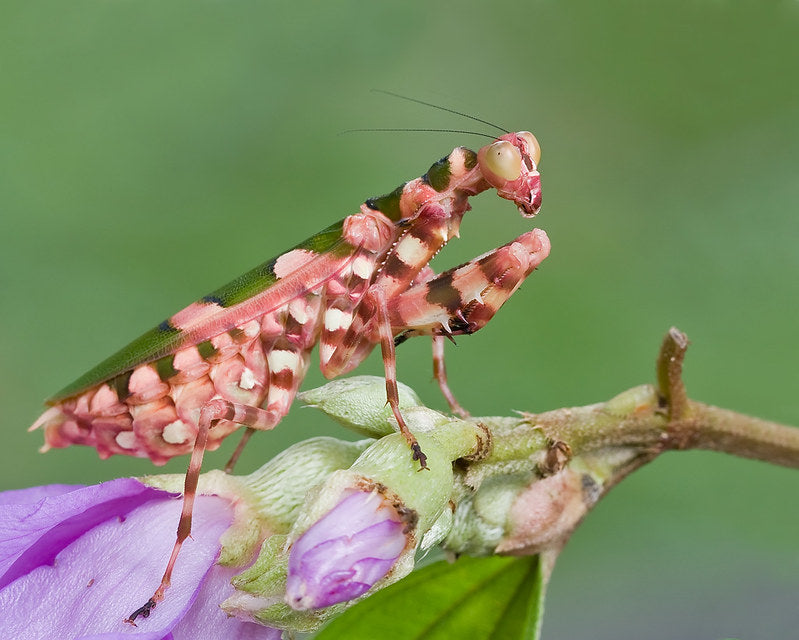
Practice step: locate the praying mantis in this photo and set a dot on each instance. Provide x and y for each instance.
(237, 356)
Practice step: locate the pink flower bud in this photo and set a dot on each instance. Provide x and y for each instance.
(345, 553)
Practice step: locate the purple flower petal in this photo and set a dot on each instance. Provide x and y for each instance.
(96, 579)
(206, 620)
(378, 541)
(345, 552)
(36, 524)
(34, 494)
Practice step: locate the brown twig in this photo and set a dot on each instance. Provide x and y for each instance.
(652, 419)
(669, 373)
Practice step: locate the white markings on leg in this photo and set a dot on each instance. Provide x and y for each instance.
(279, 399)
(336, 319)
(326, 351)
(280, 359)
(411, 250)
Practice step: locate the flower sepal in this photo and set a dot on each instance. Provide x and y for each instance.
(359, 404)
(260, 592)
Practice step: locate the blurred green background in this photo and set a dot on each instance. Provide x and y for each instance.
(150, 151)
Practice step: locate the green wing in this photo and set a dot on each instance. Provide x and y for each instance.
(160, 343)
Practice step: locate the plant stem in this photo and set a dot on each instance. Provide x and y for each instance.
(723, 430)
(646, 421)
(643, 425)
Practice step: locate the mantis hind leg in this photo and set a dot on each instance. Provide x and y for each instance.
(245, 438)
(212, 412)
(440, 374)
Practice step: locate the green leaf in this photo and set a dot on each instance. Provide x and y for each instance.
(475, 598)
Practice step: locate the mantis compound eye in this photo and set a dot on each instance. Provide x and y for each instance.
(533, 148)
(503, 160)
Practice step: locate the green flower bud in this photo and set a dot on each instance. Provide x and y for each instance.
(279, 487)
(359, 404)
(480, 519)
